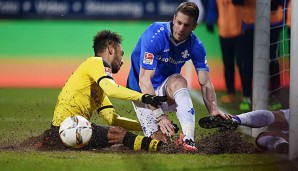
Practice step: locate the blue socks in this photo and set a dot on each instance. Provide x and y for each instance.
(237, 119)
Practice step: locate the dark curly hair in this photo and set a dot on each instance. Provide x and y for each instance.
(104, 38)
(189, 9)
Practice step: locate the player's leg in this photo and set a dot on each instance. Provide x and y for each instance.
(146, 118)
(118, 135)
(228, 56)
(99, 138)
(273, 142)
(281, 120)
(255, 119)
(148, 122)
(176, 90)
(246, 67)
(105, 136)
(261, 118)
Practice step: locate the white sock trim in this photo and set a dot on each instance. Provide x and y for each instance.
(181, 89)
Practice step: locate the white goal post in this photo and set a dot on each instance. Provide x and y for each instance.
(293, 150)
(261, 59)
(261, 69)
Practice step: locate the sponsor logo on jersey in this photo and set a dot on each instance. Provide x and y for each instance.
(108, 71)
(171, 60)
(148, 58)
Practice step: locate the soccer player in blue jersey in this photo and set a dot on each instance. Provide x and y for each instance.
(156, 64)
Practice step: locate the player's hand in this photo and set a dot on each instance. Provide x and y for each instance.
(153, 100)
(165, 125)
(220, 113)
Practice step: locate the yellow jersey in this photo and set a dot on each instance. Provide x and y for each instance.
(87, 91)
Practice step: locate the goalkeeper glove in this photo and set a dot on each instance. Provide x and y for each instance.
(153, 100)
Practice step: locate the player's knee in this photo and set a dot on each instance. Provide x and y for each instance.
(261, 140)
(175, 83)
(177, 79)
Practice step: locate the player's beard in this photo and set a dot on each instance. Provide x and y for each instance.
(115, 66)
(117, 62)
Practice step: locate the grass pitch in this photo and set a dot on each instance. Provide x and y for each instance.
(28, 112)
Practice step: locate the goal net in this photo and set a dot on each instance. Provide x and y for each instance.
(275, 79)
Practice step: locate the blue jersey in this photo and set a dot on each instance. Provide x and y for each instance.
(156, 50)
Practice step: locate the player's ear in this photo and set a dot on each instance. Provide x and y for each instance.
(195, 26)
(111, 49)
(174, 18)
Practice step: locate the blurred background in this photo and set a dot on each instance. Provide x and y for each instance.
(43, 41)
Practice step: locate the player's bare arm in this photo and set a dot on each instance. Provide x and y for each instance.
(145, 81)
(209, 95)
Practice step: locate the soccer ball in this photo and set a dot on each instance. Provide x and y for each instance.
(75, 131)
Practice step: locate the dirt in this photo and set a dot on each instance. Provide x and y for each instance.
(225, 141)
(219, 142)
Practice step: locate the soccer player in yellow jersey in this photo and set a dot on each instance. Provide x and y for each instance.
(88, 89)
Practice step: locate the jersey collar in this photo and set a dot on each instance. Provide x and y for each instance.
(105, 63)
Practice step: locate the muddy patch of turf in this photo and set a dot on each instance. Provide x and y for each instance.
(219, 142)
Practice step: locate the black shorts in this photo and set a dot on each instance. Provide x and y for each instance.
(99, 138)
